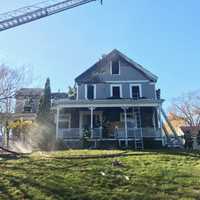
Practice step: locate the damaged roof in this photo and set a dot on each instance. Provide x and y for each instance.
(109, 57)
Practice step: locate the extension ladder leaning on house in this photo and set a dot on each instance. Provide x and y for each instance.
(138, 136)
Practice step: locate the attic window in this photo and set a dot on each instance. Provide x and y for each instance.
(115, 67)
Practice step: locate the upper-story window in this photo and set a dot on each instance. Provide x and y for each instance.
(90, 91)
(27, 109)
(28, 104)
(135, 91)
(116, 91)
(115, 67)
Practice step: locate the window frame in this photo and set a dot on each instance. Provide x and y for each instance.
(65, 120)
(111, 71)
(86, 91)
(120, 90)
(140, 90)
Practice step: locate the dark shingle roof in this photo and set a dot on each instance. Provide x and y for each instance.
(59, 95)
(108, 57)
(30, 92)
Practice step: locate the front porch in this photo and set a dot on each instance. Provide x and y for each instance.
(132, 133)
(136, 121)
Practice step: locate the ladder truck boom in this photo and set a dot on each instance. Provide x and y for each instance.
(37, 11)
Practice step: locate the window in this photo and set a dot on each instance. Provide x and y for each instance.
(115, 67)
(116, 91)
(90, 91)
(28, 103)
(135, 91)
(64, 120)
(27, 109)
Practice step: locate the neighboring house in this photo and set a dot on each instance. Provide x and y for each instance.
(27, 103)
(176, 123)
(194, 131)
(116, 105)
(58, 95)
(28, 100)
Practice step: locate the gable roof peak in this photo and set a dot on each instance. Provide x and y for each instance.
(150, 75)
(140, 67)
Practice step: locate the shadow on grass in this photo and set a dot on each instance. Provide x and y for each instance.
(72, 177)
(177, 152)
(31, 178)
(4, 157)
(126, 153)
(43, 189)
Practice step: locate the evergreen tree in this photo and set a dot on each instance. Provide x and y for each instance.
(45, 120)
(72, 92)
(47, 96)
(45, 102)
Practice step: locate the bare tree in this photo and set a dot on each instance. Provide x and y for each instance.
(187, 108)
(11, 80)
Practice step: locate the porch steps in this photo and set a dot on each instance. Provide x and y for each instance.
(109, 144)
(139, 144)
(132, 144)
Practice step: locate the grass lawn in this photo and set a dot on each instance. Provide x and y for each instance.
(62, 175)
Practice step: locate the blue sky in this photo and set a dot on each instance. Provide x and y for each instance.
(163, 36)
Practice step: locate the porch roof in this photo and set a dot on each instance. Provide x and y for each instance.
(66, 103)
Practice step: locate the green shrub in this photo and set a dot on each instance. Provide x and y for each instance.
(86, 137)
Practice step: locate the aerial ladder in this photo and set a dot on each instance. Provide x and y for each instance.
(171, 128)
(37, 11)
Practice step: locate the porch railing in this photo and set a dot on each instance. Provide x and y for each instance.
(97, 133)
(132, 133)
(70, 133)
(138, 133)
(77, 133)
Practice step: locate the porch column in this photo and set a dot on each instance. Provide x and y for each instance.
(57, 121)
(154, 119)
(125, 125)
(91, 120)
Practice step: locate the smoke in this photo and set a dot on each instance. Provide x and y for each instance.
(21, 147)
(39, 137)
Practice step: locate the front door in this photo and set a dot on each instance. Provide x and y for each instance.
(85, 121)
(131, 123)
(131, 120)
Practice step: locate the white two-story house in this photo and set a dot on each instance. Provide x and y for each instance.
(117, 105)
